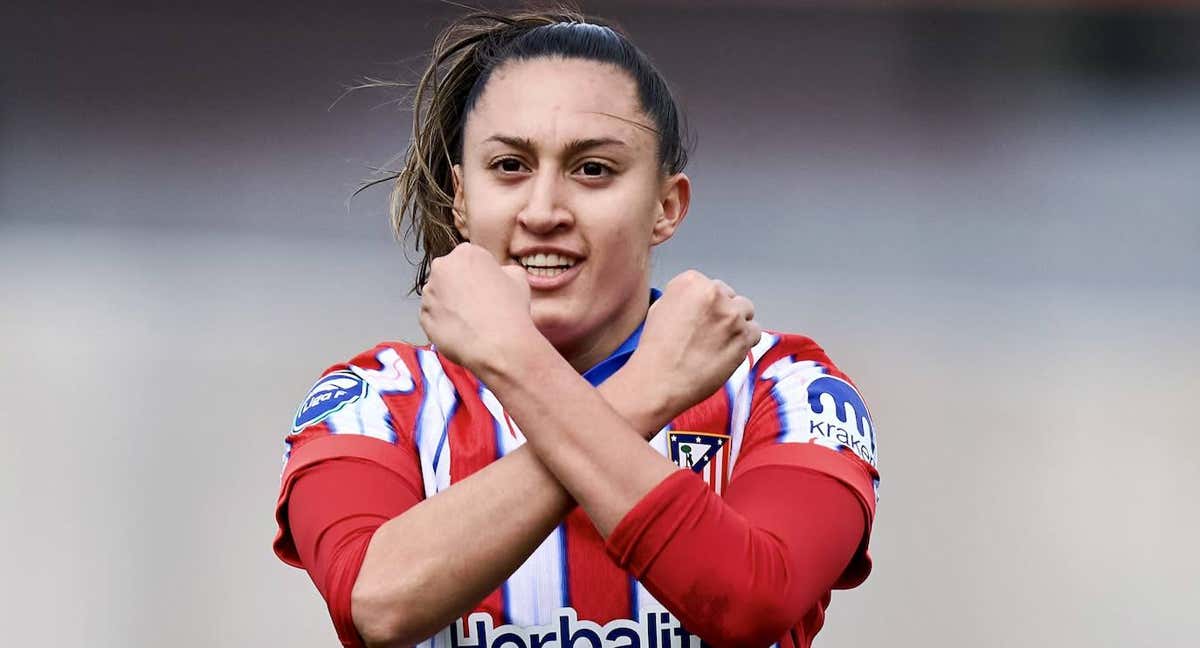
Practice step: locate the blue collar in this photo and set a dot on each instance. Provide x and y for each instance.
(617, 359)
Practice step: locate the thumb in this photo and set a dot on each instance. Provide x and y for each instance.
(516, 274)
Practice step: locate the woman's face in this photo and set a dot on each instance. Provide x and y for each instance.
(560, 174)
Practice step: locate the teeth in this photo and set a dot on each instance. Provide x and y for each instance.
(544, 272)
(546, 261)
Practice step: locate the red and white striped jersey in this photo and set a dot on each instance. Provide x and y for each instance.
(437, 423)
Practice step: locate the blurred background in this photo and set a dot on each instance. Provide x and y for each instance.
(988, 213)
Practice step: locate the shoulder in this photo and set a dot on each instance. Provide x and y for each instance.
(378, 392)
(389, 370)
(386, 368)
(804, 411)
(800, 395)
(356, 410)
(797, 361)
(375, 406)
(777, 351)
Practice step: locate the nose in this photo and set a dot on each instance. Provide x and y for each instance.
(544, 211)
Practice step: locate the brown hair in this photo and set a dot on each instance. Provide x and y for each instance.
(463, 58)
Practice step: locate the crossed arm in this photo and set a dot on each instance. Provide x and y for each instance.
(428, 565)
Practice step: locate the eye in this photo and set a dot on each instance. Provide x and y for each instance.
(593, 169)
(508, 165)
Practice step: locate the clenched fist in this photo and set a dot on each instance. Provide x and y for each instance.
(695, 336)
(473, 309)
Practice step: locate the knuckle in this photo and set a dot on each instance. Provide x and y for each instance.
(712, 290)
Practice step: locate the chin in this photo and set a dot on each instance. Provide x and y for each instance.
(555, 328)
(555, 322)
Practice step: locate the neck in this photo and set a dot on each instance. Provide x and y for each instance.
(587, 353)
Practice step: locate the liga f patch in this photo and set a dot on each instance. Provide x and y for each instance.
(330, 394)
(703, 452)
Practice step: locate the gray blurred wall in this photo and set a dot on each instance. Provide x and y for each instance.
(990, 218)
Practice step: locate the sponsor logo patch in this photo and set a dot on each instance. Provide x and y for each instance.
(330, 394)
(703, 452)
(840, 417)
(654, 628)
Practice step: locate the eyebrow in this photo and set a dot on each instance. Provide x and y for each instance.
(572, 148)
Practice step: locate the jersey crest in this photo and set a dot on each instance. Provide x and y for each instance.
(703, 452)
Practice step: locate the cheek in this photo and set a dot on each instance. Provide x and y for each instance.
(624, 250)
(489, 219)
(627, 219)
(636, 230)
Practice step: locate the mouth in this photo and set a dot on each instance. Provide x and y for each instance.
(547, 265)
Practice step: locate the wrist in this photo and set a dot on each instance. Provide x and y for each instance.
(639, 397)
(518, 354)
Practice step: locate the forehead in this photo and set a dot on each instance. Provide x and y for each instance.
(555, 100)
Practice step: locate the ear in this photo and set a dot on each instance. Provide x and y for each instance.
(674, 199)
(460, 212)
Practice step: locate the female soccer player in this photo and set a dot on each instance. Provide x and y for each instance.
(576, 460)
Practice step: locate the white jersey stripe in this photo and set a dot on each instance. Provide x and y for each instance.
(642, 598)
(659, 442)
(508, 437)
(393, 378)
(766, 342)
(790, 379)
(718, 465)
(368, 417)
(506, 442)
(433, 443)
(537, 588)
(439, 640)
(738, 391)
(741, 385)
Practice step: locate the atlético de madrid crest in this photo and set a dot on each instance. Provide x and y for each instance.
(704, 452)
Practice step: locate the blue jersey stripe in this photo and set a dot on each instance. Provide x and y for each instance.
(633, 598)
(505, 603)
(420, 374)
(391, 424)
(562, 548)
(780, 411)
(729, 400)
(443, 441)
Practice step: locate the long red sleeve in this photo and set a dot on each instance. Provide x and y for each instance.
(331, 535)
(770, 550)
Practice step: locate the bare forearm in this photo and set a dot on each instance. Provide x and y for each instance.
(589, 448)
(431, 564)
(428, 566)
